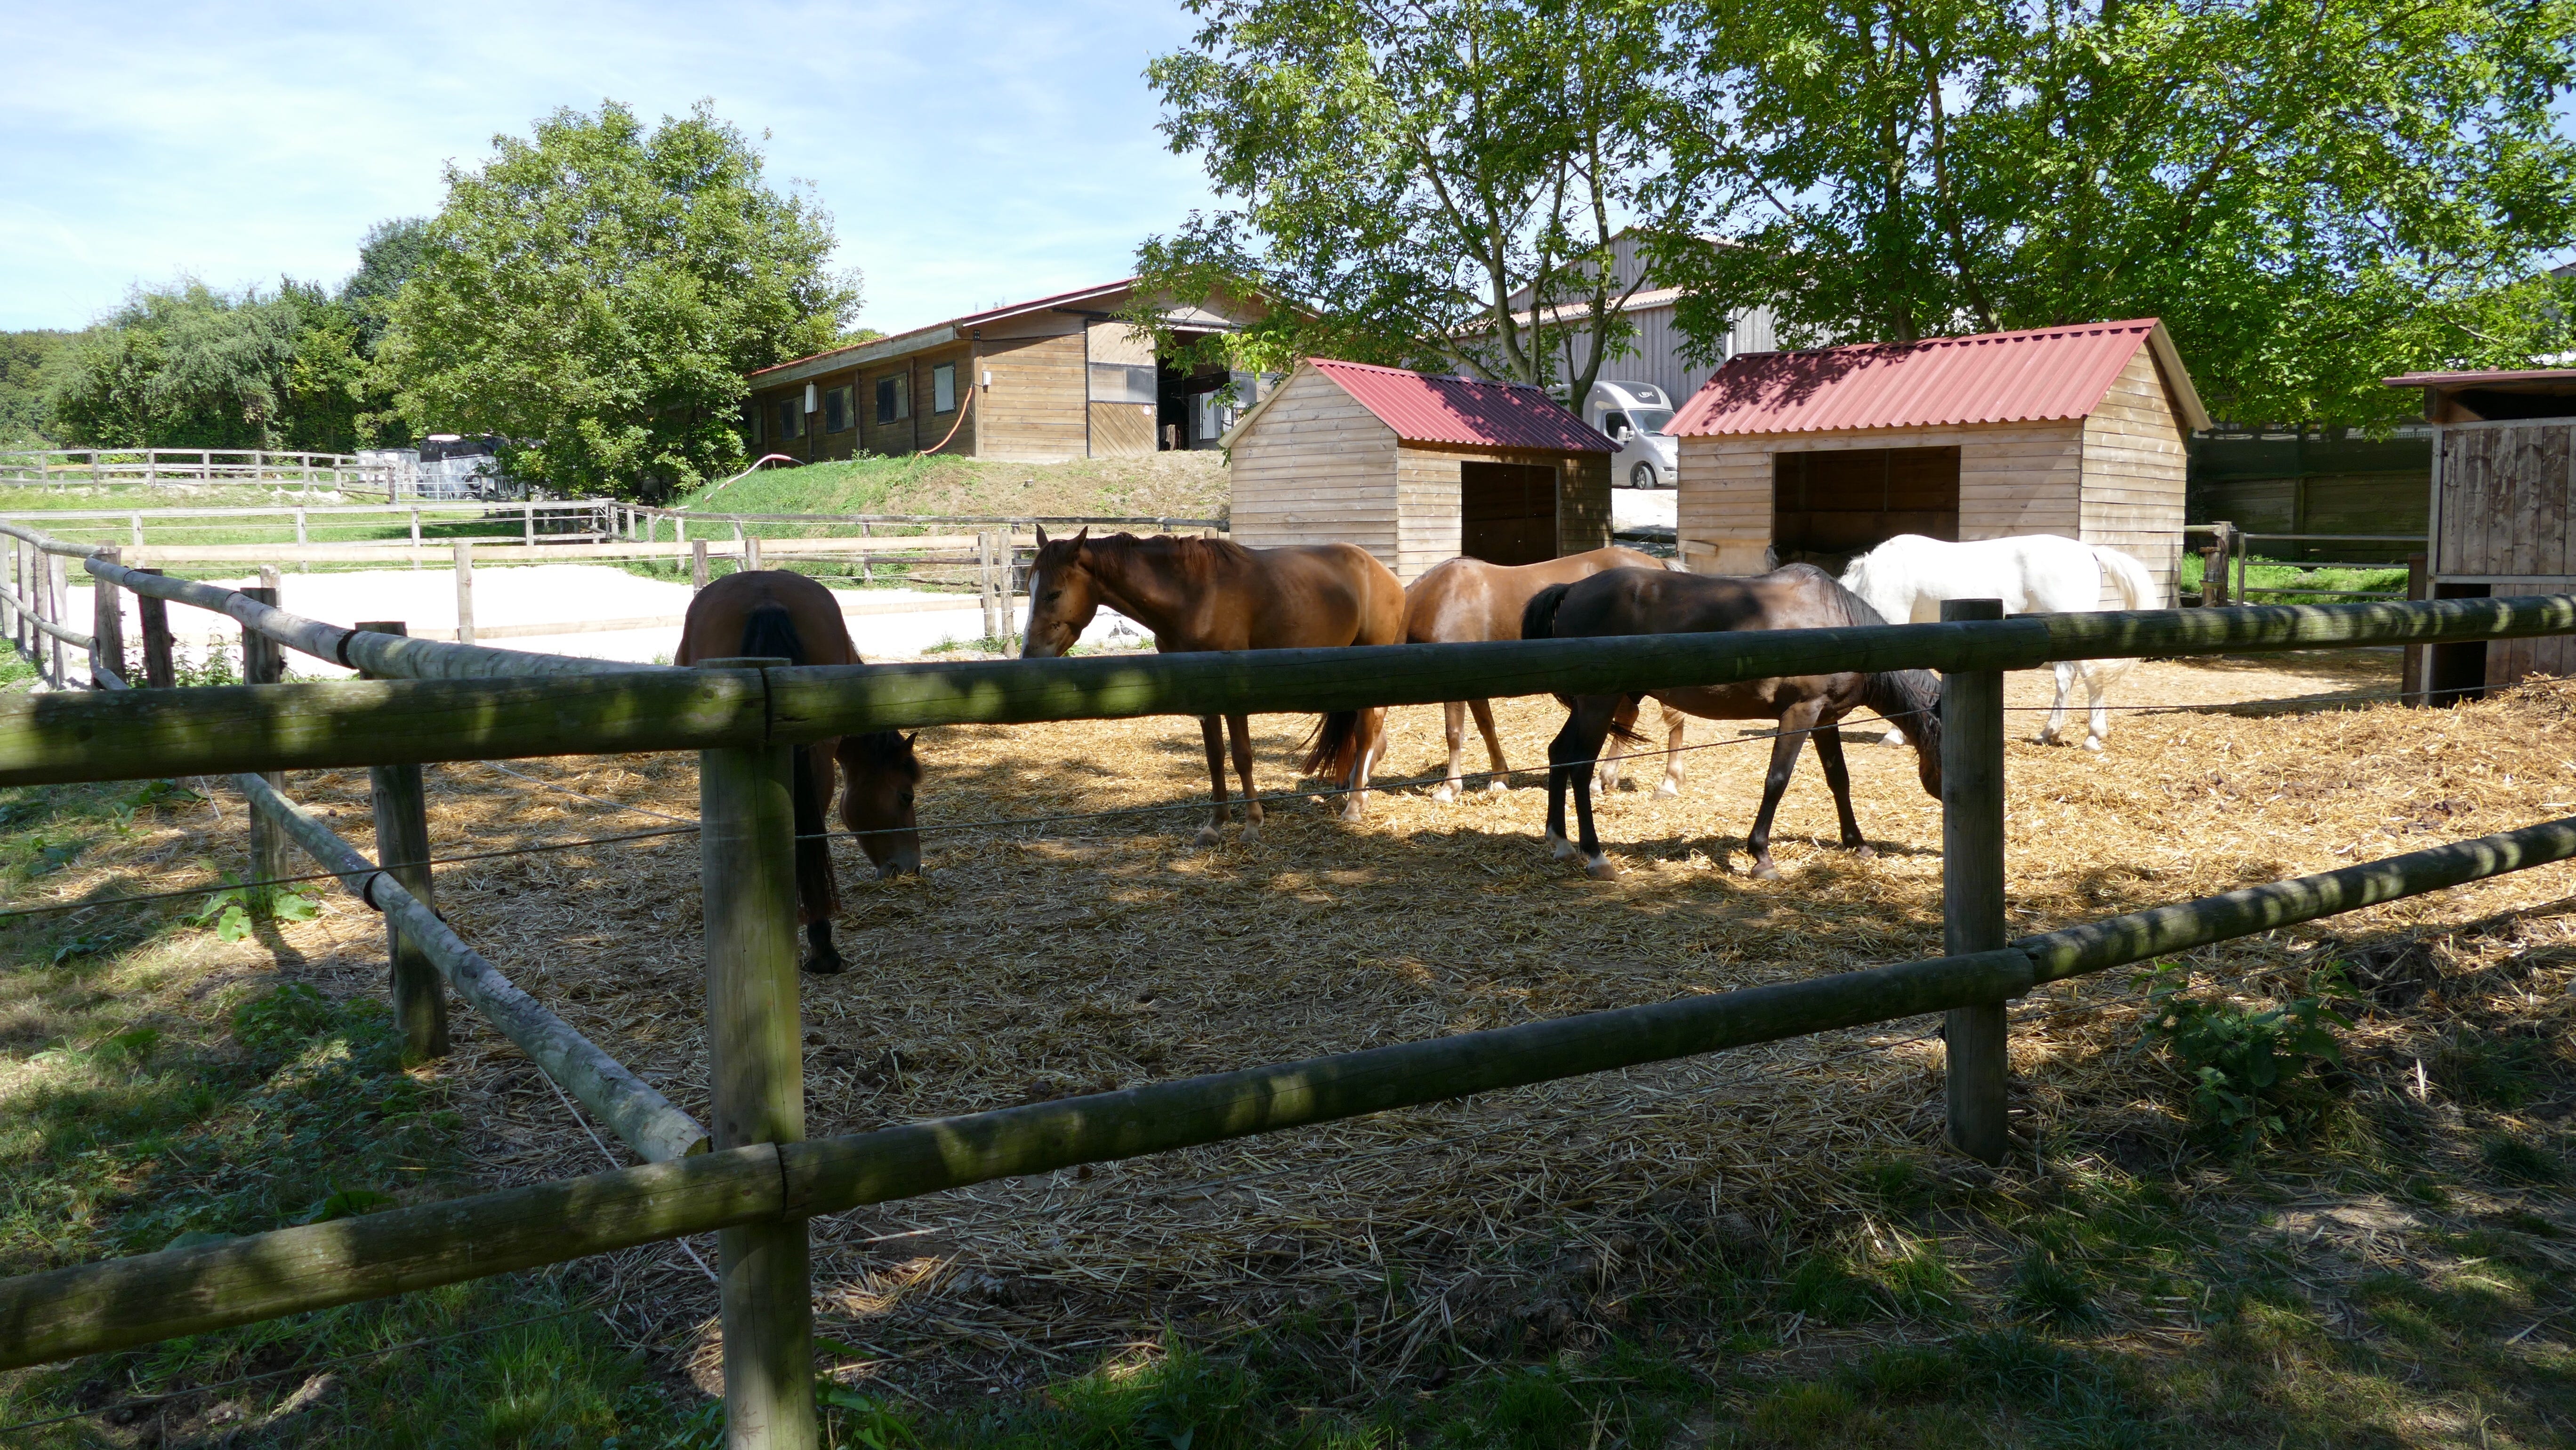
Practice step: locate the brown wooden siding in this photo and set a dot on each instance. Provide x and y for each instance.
(1317, 468)
(1035, 411)
(2135, 464)
(2503, 505)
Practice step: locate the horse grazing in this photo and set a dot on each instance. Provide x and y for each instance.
(1906, 578)
(779, 615)
(1468, 601)
(1208, 594)
(1796, 596)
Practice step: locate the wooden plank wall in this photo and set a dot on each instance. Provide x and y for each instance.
(2505, 500)
(2014, 478)
(1317, 468)
(2136, 464)
(1583, 504)
(1037, 409)
(1119, 430)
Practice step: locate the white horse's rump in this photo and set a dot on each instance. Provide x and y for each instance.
(1907, 577)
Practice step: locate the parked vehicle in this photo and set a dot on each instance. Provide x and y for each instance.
(1634, 416)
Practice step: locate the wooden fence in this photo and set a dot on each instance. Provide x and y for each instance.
(160, 467)
(759, 1182)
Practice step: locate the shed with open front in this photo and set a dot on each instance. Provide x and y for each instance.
(1822, 454)
(1417, 468)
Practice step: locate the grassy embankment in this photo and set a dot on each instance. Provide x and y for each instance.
(163, 1075)
(2265, 575)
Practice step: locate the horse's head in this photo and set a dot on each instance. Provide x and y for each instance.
(884, 776)
(1911, 701)
(1063, 596)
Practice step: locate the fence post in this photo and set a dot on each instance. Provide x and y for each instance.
(2412, 687)
(751, 552)
(527, 523)
(402, 849)
(49, 608)
(107, 624)
(415, 537)
(154, 615)
(464, 552)
(1972, 886)
(12, 615)
(984, 580)
(867, 575)
(137, 522)
(747, 849)
(697, 565)
(264, 663)
(299, 524)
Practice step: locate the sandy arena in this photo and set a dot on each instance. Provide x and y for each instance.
(1047, 961)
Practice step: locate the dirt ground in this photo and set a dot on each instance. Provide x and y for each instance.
(1051, 960)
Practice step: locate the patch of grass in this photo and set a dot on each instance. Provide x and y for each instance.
(2491, 1070)
(2518, 1160)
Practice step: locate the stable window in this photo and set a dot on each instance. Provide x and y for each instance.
(751, 423)
(1830, 504)
(943, 388)
(1507, 512)
(836, 410)
(894, 398)
(791, 419)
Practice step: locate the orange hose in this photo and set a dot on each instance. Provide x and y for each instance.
(960, 423)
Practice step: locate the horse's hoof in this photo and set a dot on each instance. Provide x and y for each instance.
(1353, 814)
(1497, 785)
(1251, 833)
(1444, 795)
(1667, 791)
(825, 966)
(2092, 742)
(1763, 870)
(1864, 852)
(1207, 836)
(1601, 868)
(1559, 847)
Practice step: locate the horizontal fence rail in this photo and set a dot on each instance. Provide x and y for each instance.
(91, 1308)
(482, 704)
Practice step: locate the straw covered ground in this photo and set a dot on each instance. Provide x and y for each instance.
(1046, 961)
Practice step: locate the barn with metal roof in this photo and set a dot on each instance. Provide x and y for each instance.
(1821, 454)
(1418, 468)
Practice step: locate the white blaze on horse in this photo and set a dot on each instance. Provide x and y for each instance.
(1907, 577)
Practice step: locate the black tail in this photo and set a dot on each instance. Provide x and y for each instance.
(1538, 617)
(770, 633)
(1336, 736)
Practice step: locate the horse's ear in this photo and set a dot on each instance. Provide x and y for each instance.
(909, 739)
(1078, 538)
(1041, 536)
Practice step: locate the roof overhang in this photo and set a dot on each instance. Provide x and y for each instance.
(2195, 418)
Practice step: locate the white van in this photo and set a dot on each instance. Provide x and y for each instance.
(1634, 416)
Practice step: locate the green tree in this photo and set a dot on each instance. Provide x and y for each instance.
(2313, 195)
(1403, 179)
(595, 294)
(387, 257)
(188, 366)
(23, 356)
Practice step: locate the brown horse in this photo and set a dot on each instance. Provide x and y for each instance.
(781, 615)
(1468, 601)
(1206, 594)
(1797, 596)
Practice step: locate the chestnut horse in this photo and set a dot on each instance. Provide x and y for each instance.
(1468, 601)
(1659, 601)
(782, 615)
(1207, 594)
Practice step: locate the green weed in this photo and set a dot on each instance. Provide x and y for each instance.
(2242, 1064)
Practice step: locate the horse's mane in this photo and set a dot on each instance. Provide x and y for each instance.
(1188, 548)
(1837, 600)
(877, 750)
(1908, 699)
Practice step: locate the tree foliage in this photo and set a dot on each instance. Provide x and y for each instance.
(387, 257)
(2312, 195)
(23, 357)
(596, 292)
(188, 366)
(1402, 178)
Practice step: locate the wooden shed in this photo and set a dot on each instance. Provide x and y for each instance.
(2504, 464)
(1042, 381)
(1418, 468)
(1822, 454)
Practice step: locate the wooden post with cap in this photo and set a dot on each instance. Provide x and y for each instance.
(1972, 886)
(264, 663)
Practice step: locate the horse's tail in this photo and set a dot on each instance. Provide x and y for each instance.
(769, 632)
(1538, 617)
(1335, 741)
(2137, 591)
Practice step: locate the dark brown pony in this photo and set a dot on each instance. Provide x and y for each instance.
(1206, 594)
(780, 615)
(1658, 601)
(1468, 601)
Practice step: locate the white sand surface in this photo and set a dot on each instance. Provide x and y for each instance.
(1637, 508)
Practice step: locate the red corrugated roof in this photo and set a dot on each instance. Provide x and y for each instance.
(1995, 377)
(1423, 408)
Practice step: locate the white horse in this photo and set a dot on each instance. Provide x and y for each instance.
(1907, 577)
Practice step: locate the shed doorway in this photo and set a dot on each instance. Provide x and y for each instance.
(1831, 504)
(1507, 512)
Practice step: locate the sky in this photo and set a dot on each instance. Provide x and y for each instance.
(970, 155)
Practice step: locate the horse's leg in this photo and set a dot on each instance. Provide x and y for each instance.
(1829, 754)
(1213, 731)
(1240, 728)
(817, 893)
(1484, 711)
(1455, 724)
(1367, 743)
(1606, 770)
(2053, 732)
(1784, 761)
(2095, 673)
(1569, 758)
(1674, 723)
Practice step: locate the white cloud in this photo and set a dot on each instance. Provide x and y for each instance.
(967, 155)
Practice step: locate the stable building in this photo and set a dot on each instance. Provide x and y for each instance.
(1418, 468)
(2504, 465)
(1823, 454)
(1037, 382)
